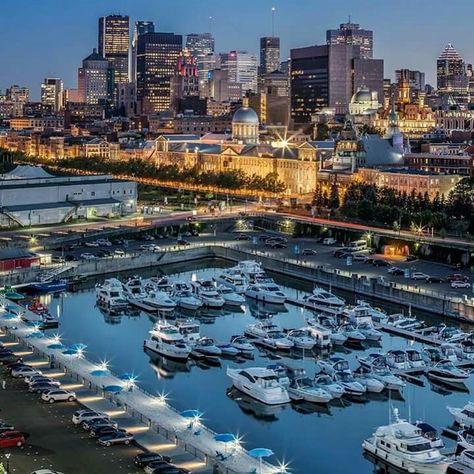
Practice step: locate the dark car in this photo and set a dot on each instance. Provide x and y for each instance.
(411, 258)
(42, 387)
(70, 258)
(118, 437)
(8, 357)
(263, 237)
(434, 279)
(183, 243)
(279, 245)
(142, 460)
(339, 253)
(378, 262)
(396, 271)
(243, 237)
(309, 252)
(107, 430)
(93, 423)
(457, 277)
(168, 469)
(369, 260)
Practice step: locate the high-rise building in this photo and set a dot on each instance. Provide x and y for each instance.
(52, 93)
(95, 79)
(242, 69)
(185, 82)
(269, 54)
(416, 79)
(221, 89)
(352, 34)
(114, 40)
(451, 74)
(202, 47)
(141, 27)
(18, 96)
(157, 54)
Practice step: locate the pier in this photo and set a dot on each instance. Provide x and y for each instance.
(158, 426)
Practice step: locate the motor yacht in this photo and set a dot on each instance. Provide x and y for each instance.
(332, 365)
(372, 360)
(414, 359)
(259, 383)
(402, 322)
(266, 292)
(433, 355)
(449, 334)
(354, 336)
(208, 295)
(231, 297)
(158, 283)
(368, 330)
(466, 349)
(185, 298)
(306, 389)
(351, 386)
(404, 446)
(464, 416)
(390, 381)
(133, 289)
(397, 359)
(431, 434)
(371, 383)
(465, 438)
(250, 270)
(110, 294)
(464, 463)
(301, 338)
(327, 383)
(243, 345)
(320, 334)
(376, 314)
(445, 371)
(228, 350)
(337, 337)
(189, 329)
(159, 300)
(207, 347)
(260, 329)
(166, 340)
(276, 340)
(233, 279)
(322, 297)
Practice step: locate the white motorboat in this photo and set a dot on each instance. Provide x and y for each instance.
(414, 359)
(306, 389)
(250, 270)
(320, 334)
(351, 386)
(207, 347)
(464, 416)
(432, 355)
(353, 335)
(243, 345)
(185, 298)
(397, 359)
(371, 383)
(446, 372)
(464, 463)
(372, 360)
(449, 334)
(208, 295)
(301, 338)
(133, 289)
(166, 340)
(158, 284)
(259, 383)
(332, 365)
(400, 321)
(276, 340)
(189, 329)
(266, 292)
(465, 438)
(231, 297)
(390, 381)
(160, 301)
(337, 337)
(233, 279)
(260, 329)
(368, 330)
(322, 297)
(377, 315)
(110, 294)
(327, 383)
(404, 446)
(228, 350)
(466, 349)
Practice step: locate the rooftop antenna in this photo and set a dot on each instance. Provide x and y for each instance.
(350, 18)
(273, 21)
(210, 24)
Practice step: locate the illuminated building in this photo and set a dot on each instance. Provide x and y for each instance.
(185, 82)
(18, 96)
(157, 54)
(241, 67)
(52, 93)
(416, 79)
(269, 54)
(201, 46)
(141, 27)
(221, 89)
(114, 39)
(95, 79)
(451, 74)
(352, 34)
(245, 125)
(364, 103)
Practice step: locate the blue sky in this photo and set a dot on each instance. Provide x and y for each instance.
(41, 38)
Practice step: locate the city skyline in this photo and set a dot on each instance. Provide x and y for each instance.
(418, 42)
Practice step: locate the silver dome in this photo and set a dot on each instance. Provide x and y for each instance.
(246, 115)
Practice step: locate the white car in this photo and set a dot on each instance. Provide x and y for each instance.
(329, 241)
(88, 256)
(119, 253)
(419, 276)
(92, 244)
(58, 395)
(150, 247)
(40, 378)
(24, 371)
(104, 243)
(360, 257)
(46, 471)
(460, 284)
(83, 415)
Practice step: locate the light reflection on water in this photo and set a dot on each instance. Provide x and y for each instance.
(314, 438)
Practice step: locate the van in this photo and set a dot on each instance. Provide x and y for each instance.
(119, 253)
(358, 245)
(329, 241)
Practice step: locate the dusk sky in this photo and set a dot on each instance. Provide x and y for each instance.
(41, 38)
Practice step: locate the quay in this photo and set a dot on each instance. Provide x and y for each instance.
(160, 425)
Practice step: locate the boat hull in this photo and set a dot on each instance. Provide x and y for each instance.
(167, 350)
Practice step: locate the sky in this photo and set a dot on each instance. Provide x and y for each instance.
(49, 38)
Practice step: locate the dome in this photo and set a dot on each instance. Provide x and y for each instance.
(361, 96)
(245, 115)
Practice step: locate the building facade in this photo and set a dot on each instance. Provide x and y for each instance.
(352, 34)
(141, 27)
(95, 79)
(269, 54)
(451, 74)
(52, 93)
(241, 67)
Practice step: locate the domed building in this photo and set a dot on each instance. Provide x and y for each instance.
(245, 125)
(364, 102)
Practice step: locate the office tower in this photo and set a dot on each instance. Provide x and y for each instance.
(451, 74)
(416, 79)
(185, 82)
(352, 34)
(18, 96)
(276, 83)
(95, 79)
(114, 39)
(202, 47)
(269, 54)
(221, 89)
(127, 99)
(242, 69)
(52, 93)
(328, 76)
(141, 27)
(157, 54)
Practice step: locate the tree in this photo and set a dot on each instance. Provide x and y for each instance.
(334, 197)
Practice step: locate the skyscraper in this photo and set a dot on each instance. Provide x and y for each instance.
(52, 93)
(241, 67)
(269, 54)
(352, 34)
(141, 27)
(451, 74)
(18, 96)
(416, 79)
(114, 39)
(157, 55)
(202, 47)
(95, 79)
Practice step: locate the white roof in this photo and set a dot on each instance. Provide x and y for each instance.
(27, 171)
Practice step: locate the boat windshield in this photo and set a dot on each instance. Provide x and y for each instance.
(114, 294)
(416, 448)
(168, 330)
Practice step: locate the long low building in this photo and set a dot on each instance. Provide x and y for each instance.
(31, 196)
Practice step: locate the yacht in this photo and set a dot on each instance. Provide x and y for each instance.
(369, 332)
(133, 289)
(397, 359)
(351, 386)
(377, 315)
(228, 350)
(320, 334)
(158, 284)
(259, 383)
(301, 338)
(353, 335)
(189, 329)
(243, 345)
(464, 463)
(371, 383)
(266, 292)
(250, 270)
(390, 381)
(231, 297)
(166, 340)
(306, 389)
(466, 438)
(159, 300)
(260, 329)
(432, 355)
(337, 337)
(327, 383)
(185, 298)
(232, 279)
(110, 294)
(445, 371)
(466, 349)
(322, 297)
(404, 446)
(208, 295)
(276, 340)
(464, 416)
(207, 347)
(449, 334)
(332, 365)
(400, 321)
(372, 360)
(414, 359)
(430, 433)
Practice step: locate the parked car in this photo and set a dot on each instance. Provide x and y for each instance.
(379, 262)
(369, 260)
(4, 426)
(104, 243)
(8, 357)
(24, 371)
(457, 277)
(92, 244)
(395, 271)
(434, 279)
(460, 284)
(143, 459)
(243, 237)
(119, 253)
(309, 252)
(183, 243)
(58, 395)
(360, 257)
(329, 241)
(339, 253)
(30, 380)
(88, 256)
(279, 245)
(82, 415)
(419, 276)
(41, 387)
(9, 439)
(70, 258)
(116, 438)
(263, 237)
(98, 421)
(411, 258)
(46, 471)
(100, 431)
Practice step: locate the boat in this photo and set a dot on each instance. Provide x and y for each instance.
(250, 270)
(397, 359)
(232, 279)
(369, 332)
(464, 463)
(448, 334)
(320, 334)
(228, 350)
(322, 297)
(306, 389)
(54, 285)
(266, 292)
(464, 416)
(391, 381)
(327, 383)
(431, 434)
(207, 347)
(159, 300)
(337, 337)
(465, 438)
(161, 283)
(414, 359)
(433, 355)
(259, 383)
(351, 386)
(260, 329)
(231, 297)
(445, 371)
(189, 329)
(332, 365)
(354, 336)
(301, 339)
(133, 289)
(183, 296)
(269, 335)
(110, 294)
(372, 360)
(167, 341)
(401, 322)
(377, 315)
(9, 293)
(371, 383)
(208, 295)
(403, 445)
(243, 345)
(466, 349)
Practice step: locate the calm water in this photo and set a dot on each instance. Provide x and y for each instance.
(312, 438)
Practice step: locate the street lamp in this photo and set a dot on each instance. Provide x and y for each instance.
(7, 467)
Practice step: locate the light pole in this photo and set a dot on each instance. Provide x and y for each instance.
(7, 467)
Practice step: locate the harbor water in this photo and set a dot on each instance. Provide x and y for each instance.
(312, 438)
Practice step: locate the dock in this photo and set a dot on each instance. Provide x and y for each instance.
(158, 419)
